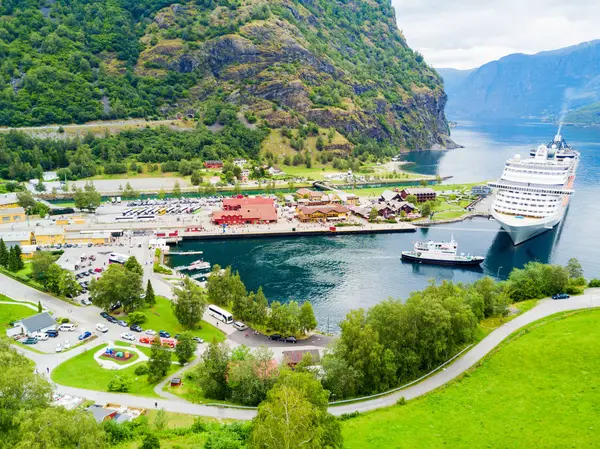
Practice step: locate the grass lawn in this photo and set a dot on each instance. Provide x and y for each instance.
(539, 389)
(83, 371)
(160, 317)
(10, 312)
(449, 215)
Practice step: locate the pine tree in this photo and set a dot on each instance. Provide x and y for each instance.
(19, 259)
(150, 298)
(3, 254)
(13, 260)
(40, 307)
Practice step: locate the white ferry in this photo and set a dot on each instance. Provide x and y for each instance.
(440, 253)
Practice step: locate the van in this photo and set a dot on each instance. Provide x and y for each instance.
(240, 326)
(67, 327)
(101, 327)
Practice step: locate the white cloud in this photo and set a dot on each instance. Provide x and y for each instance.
(468, 33)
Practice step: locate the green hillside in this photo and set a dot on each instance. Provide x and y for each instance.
(337, 63)
(540, 389)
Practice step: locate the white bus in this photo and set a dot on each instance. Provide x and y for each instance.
(220, 314)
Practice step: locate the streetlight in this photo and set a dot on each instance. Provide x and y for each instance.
(498, 273)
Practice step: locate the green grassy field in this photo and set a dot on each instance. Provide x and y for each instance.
(83, 371)
(10, 312)
(160, 317)
(539, 389)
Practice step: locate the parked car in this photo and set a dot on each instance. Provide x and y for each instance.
(90, 245)
(275, 337)
(115, 306)
(39, 336)
(92, 257)
(90, 271)
(198, 340)
(128, 336)
(240, 326)
(104, 315)
(150, 332)
(101, 327)
(122, 323)
(58, 348)
(86, 334)
(290, 339)
(86, 302)
(98, 270)
(52, 333)
(164, 334)
(135, 328)
(561, 296)
(67, 344)
(111, 319)
(29, 341)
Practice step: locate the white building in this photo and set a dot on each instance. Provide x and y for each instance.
(240, 162)
(39, 323)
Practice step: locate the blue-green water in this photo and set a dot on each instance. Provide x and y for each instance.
(340, 273)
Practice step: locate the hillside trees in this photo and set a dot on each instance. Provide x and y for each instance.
(189, 303)
(117, 284)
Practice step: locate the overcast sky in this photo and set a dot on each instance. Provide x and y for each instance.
(468, 33)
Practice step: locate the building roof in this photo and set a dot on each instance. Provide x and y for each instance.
(15, 236)
(264, 212)
(95, 235)
(49, 231)
(121, 417)
(8, 198)
(248, 201)
(100, 413)
(303, 191)
(389, 195)
(12, 210)
(419, 191)
(308, 210)
(397, 205)
(37, 322)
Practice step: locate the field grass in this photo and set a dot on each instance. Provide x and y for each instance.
(10, 312)
(83, 371)
(539, 389)
(160, 317)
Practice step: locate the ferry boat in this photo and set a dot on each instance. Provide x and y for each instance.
(440, 253)
(533, 194)
(199, 265)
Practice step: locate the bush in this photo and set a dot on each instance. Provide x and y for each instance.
(64, 320)
(401, 401)
(574, 290)
(136, 318)
(199, 426)
(120, 384)
(141, 370)
(594, 283)
(347, 416)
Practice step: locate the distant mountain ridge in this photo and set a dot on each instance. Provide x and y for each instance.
(546, 85)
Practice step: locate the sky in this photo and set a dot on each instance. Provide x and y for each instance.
(465, 34)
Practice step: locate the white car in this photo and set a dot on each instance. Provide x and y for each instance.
(58, 348)
(128, 336)
(150, 332)
(41, 336)
(67, 344)
(86, 302)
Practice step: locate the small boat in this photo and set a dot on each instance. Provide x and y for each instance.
(440, 253)
(199, 265)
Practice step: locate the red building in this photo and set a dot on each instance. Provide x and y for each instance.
(254, 214)
(213, 164)
(239, 203)
(422, 193)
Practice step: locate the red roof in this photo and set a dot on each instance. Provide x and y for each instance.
(247, 201)
(262, 212)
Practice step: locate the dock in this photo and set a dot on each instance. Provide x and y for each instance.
(185, 253)
(190, 268)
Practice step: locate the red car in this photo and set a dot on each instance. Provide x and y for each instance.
(98, 270)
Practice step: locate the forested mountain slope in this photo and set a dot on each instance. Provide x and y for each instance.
(340, 63)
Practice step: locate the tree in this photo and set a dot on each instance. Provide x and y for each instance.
(136, 318)
(161, 194)
(150, 441)
(423, 183)
(212, 371)
(320, 144)
(40, 307)
(119, 383)
(307, 318)
(574, 268)
(161, 420)
(88, 197)
(58, 428)
(412, 199)
(260, 308)
(177, 190)
(251, 378)
(3, 254)
(40, 263)
(26, 200)
(373, 214)
(150, 298)
(14, 261)
(160, 361)
(185, 348)
(18, 257)
(285, 317)
(117, 284)
(134, 266)
(130, 192)
(196, 178)
(426, 209)
(189, 303)
(295, 416)
(339, 378)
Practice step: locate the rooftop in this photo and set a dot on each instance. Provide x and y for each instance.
(323, 209)
(264, 212)
(15, 236)
(49, 231)
(37, 322)
(8, 198)
(12, 210)
(247, 201)
(419, 191)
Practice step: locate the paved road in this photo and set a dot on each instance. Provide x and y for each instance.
(49, 361)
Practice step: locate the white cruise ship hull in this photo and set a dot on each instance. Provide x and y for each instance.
(521, 230)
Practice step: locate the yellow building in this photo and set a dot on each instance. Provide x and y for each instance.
(8, 200)
(21, 238)
(49, 236)
(322, 213)
(96, 238)
(12, 215)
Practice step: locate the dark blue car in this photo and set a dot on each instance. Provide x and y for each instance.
(86, 334)
(561, 296)
(164, 334)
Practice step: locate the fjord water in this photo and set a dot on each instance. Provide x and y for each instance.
(339, 273)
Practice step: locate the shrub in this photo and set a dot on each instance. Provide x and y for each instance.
(347, 416)
(119, 384)
(141, 370)
(594, 283)
(401, 401)
(64, 320)
(136, 318)
(199, 426)
(574, 290)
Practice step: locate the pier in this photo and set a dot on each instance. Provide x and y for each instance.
(185, 253)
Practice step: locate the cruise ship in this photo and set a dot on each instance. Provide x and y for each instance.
(533, 193)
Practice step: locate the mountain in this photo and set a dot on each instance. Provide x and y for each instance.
(545, 85)
(337, 63)
(453, 78)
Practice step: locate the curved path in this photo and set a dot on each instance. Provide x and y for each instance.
(545, 308)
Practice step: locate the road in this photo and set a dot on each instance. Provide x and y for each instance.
(45, 362)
